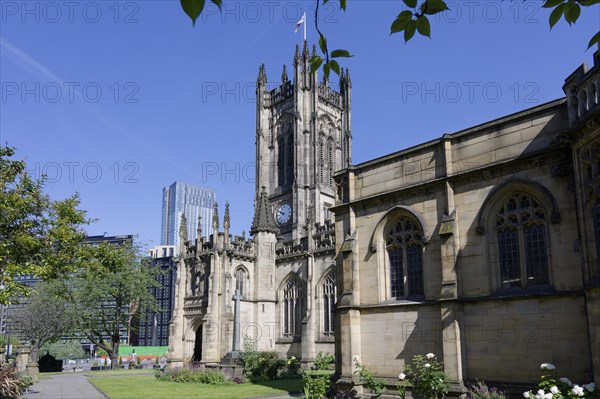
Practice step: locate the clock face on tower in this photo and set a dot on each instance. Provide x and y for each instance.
(283, 214)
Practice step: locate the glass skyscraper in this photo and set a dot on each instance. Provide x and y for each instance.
(191, 200)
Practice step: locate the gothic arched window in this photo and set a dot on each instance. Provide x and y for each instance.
(597, 233)
(404, 244)
(522, 248)
(330, 170)
(321, 162)
(583, 102)
(240, 280)
(280, 162)
(329, 295)
(290, 157)
(294, 306)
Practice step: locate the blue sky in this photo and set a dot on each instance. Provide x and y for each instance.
(117, 99)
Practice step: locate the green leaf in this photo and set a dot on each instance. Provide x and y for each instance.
(326, 70)
(193, 8)
(343, 4)
(340, 53)
(572, 12)
(218, 3)
(423, 26)
(433, 6)
(400, 23)
(552, 3)
(410, 3)
(323, 44)
(587, 3)
(335, 66)
(595, 39)
(556, 14)
(315, 63)
(410, 30)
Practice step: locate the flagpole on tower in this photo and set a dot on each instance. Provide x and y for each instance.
(304, 24)
(302, 21)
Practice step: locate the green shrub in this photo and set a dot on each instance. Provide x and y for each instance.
(11, 385)
(560, 388)
(261, 365)
(324, 361)
(426, 377)
(26, 380)
(193, 376)
(481, 391)
(316, 383)
(291, 369)
(375, 386)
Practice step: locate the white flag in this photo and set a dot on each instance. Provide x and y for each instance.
(300, 22)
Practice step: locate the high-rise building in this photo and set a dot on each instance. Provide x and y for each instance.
(154, 328)
(193, 201)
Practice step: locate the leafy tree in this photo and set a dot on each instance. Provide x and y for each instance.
(38, 236)
(44, 319)
(64, 350)
(110, 291)
(411, 21)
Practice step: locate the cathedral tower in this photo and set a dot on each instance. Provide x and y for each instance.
(303, 136)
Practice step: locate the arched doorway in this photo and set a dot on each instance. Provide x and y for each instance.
(198, 345)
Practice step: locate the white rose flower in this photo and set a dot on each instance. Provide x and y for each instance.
(401, 376)
(554, 389)
(566, 381)
(427, 365)
(547, 366)
(430, 356)
(526, 395)
(541, 392)
(548, 396)
(577, 390)
(591, 387)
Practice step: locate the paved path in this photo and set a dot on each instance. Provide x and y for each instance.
(64, 386)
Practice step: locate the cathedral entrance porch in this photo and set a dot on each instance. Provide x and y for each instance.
(197, 356)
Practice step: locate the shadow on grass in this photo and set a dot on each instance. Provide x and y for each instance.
(290, 385)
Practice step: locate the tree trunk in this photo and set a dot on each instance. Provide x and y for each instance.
(114, 356)
(116, 336)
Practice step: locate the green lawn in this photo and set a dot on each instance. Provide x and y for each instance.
(150, 388)
(119, 373)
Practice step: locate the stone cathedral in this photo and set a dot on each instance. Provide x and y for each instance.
(285, 274)
(481, 246)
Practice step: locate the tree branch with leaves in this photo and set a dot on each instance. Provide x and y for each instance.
(411, 21)
(38, 237)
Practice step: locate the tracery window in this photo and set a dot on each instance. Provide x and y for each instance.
(280, 162)
(330, 170)
(404, 244)
(285, 155)
(597, 233)
(240, 280)
(329, 296)
(321, 162)
(294, 306)
(522, 248)
(290, 158)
